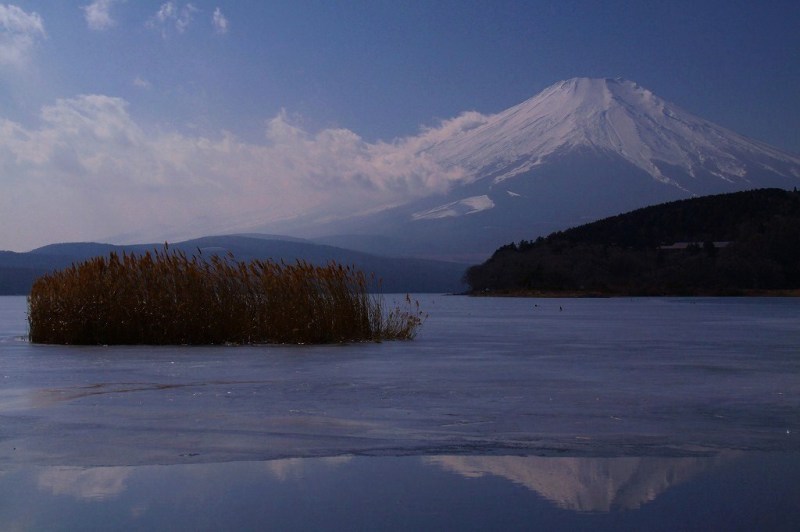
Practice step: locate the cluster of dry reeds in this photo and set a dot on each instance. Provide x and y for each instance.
(167, 298)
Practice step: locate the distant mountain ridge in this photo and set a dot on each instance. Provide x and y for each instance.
(18, 270)
(580, 150)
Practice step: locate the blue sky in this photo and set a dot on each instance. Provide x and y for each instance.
(122, 118)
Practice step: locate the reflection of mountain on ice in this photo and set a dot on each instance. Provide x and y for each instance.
(586, 484)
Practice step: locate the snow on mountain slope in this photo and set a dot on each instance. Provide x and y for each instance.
(616, 116)
(456, 208)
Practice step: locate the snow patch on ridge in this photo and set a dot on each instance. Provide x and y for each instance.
(456, 208)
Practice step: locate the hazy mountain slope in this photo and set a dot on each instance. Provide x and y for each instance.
(397, 274)
(18, 270)
(581, 150)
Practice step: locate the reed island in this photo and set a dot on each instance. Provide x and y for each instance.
(166, 297)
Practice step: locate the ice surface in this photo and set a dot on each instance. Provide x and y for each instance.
(581, 377)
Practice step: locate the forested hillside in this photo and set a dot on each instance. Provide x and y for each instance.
(723, 244)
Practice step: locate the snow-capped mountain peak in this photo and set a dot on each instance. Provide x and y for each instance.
(614, 116)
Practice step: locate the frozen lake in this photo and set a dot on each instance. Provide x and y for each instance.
(557, 413)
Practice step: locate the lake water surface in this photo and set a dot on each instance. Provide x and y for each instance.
(552, 414)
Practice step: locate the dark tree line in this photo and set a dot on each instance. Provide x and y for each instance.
(726, 244)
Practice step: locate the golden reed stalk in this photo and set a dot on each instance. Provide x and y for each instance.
(168, 298)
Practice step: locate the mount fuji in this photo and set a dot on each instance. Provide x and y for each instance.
(580, 150)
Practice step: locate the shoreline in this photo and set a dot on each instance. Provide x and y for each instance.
(790, 292)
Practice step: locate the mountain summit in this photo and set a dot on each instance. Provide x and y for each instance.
(622, 119)
(581, 150)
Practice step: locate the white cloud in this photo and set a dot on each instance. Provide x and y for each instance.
(220, 22)
(185, 17)
(431, 136)
(142, 83)
(89, 171)
(19, 31)
(171, 15)
(166, 12)
(98, 14)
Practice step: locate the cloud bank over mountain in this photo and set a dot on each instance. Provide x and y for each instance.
(89, 170)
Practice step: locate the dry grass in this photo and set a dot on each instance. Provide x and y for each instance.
(167, 298)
